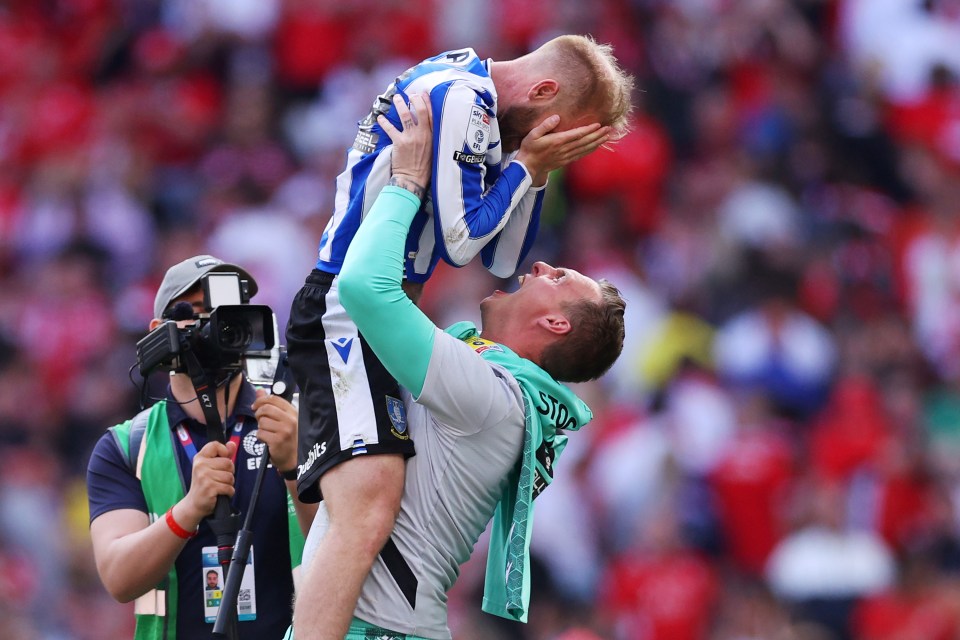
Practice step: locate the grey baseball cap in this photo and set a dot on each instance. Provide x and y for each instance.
(183, 275)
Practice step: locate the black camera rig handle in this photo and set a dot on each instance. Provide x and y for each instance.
(224, 520)
(282, 386)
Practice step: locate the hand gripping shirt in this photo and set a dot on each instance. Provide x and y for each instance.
(479, 452)
(479, 200)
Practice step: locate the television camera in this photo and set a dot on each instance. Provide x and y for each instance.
(228, 335)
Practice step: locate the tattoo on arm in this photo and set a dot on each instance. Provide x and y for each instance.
(408, 184)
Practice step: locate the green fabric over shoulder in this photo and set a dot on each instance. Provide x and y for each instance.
(157, 461)
(549, 407)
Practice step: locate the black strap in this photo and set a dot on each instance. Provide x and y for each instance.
(402, 573)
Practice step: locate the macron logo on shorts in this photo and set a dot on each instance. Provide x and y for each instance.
(342, 345)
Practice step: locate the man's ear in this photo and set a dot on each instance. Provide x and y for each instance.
(154, 324)
(555, 323)
(544, 90)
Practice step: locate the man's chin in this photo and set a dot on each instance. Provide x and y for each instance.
(485, 306)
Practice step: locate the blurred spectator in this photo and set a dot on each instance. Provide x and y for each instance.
(630, 468)
(775, 348)
(67, 287)
(900, 42)
(30, 528)
(660, 588)
(752, 482)
(699, 419)
(824, 567)
(928, 258)
(750, 611)
(851, 432)
(919, 605)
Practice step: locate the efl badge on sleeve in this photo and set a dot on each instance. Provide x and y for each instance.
(478, 131)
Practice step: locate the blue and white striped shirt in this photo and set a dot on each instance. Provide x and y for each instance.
(479, 201)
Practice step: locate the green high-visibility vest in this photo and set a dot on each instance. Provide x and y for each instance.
(147, 445)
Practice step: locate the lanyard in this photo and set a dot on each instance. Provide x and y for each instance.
(191, 449)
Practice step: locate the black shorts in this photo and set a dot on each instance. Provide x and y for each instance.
(349, 404)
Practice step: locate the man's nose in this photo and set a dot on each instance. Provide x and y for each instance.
(541, 269)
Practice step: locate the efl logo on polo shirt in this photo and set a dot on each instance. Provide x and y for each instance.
(478, 129)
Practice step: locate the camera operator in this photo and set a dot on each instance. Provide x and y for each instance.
(154, 479)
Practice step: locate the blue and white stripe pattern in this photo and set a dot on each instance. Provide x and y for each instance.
(479, 201)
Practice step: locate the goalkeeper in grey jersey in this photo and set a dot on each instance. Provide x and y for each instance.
(500, 127)
(487, 412)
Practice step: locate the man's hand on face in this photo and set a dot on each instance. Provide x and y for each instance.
(543, 151)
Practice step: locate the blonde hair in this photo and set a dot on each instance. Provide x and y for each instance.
(599, 83)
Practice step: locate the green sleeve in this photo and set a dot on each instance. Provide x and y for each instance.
(370, 290)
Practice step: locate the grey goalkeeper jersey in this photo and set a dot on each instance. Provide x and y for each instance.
(468, 426)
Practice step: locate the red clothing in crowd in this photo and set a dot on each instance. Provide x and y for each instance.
(926, 615)
(750, 483)
(664, 597)
(851, 432)
(930, 121)
(633, 171)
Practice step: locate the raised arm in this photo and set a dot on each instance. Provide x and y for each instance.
(372, 274)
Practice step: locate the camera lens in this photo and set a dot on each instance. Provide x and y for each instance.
(237, 330)
(234, 336)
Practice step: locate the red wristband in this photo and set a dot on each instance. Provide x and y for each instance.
(178, 531)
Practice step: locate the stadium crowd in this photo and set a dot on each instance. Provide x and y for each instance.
(777, 453)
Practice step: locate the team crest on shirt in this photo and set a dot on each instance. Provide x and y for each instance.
(398, 417)
(478, 130)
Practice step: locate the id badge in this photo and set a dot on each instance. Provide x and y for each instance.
(213, 585)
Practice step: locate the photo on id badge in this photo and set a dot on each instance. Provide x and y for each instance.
(213, 584)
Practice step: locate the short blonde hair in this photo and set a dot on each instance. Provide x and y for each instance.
(600, 83)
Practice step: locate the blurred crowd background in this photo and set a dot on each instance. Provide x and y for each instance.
(776, 456)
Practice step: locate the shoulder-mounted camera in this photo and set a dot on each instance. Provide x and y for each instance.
(228, 332)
